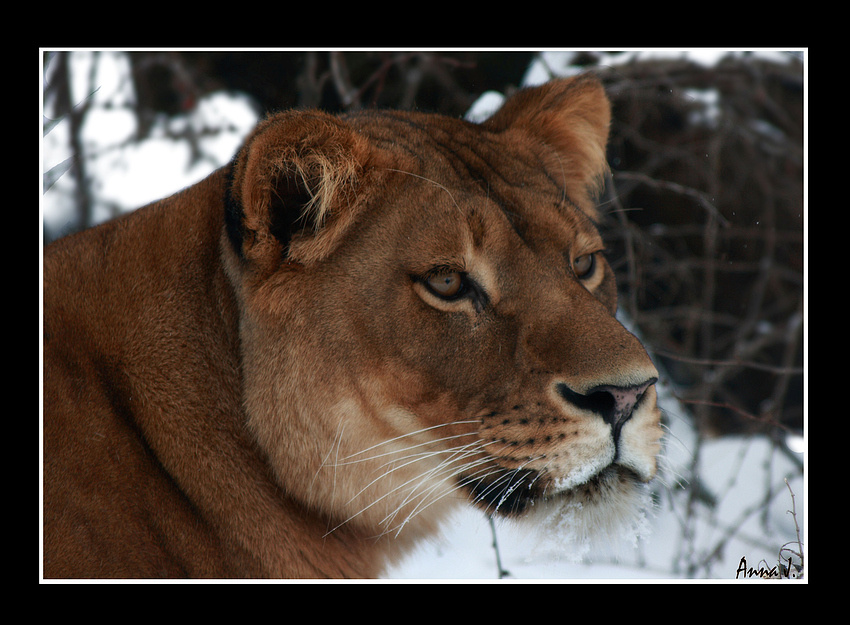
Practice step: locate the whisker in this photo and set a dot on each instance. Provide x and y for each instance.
(398, 451)
(457, 471)
(423, 455)
(433, 182)
(420, 508)
(337, 441)
(443, 468)
(457, 453)
(457, 487)
(670, 437)
(505, 479)
(392, 440)
(419, 479)
(434, 484)
(445, 471)
(410, 459)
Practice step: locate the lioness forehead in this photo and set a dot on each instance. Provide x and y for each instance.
(460, 152)
(483, 174)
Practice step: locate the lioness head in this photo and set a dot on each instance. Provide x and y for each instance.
(427, 314)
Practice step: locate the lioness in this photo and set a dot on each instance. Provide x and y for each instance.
(297, 366)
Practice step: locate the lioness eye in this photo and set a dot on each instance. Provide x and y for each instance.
(584, 265)
(446, 285)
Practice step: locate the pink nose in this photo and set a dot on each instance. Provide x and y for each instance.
(613, 403)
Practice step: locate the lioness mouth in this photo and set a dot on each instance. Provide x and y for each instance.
(511, 492)
(507, 491)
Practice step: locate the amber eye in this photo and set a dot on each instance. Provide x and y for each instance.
(446, 285)
(583, 266)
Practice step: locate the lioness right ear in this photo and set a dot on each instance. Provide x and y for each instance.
(572, 115)
(293, 188)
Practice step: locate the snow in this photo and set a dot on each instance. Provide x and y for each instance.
(115, 159)
(739, 474)
(488, 103)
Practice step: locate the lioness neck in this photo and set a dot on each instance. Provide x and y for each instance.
(162, 336)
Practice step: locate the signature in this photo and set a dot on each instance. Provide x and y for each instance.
(782, 570)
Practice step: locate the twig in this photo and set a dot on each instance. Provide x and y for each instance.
(799, 554)
(730, 363)
(502, 573)
(675, 187)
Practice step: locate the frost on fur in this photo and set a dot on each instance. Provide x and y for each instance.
(612, 519)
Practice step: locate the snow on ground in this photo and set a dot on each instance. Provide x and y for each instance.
(739, 474)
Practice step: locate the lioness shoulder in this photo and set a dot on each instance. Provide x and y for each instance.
(298, 366)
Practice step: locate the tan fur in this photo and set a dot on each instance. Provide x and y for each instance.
(254, 378)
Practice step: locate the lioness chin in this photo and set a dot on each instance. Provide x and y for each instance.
(298, 366)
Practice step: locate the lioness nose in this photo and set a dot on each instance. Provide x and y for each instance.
(613, 403)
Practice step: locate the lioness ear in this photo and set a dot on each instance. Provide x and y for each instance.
(571, 115)
(293, 188)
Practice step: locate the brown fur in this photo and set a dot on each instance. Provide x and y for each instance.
(254, 378)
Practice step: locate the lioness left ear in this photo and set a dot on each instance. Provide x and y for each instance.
(572, 115)
(293, 188)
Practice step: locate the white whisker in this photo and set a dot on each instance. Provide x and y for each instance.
(505, 478)
(441, 472)
(418, 478)
(397, 438)
(335, 446)
(398, 451)
(458, 471)
(433, 182)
